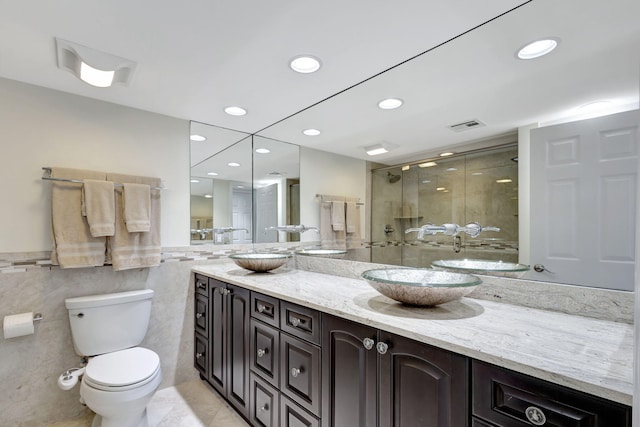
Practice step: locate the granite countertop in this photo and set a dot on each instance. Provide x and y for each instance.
(590, 355)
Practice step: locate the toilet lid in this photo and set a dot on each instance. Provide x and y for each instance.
(122, 368)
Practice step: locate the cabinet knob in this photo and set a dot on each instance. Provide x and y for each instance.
(368, 343)
(202, 285)
(264, 407)
(198, 355)
(535, 416)
(295, 321)
(382, 348)
(261, 308)
(261, 352)
(199, 315)
(224, 291)
(295, 372)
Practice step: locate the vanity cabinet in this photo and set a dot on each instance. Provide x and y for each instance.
(222, 339)
(503, 398)
(374, 378)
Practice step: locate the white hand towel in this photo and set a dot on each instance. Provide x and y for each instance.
(99, 207)
(351, 217)
(137, 207)
(354, 239)
(337, 216)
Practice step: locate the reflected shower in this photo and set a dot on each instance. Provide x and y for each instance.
(393, 178)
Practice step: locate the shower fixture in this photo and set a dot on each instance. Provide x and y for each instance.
(393, 178)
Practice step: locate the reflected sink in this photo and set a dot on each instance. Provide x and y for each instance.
(420, 286)
(479, 266)
(325, 253)
(260, 262)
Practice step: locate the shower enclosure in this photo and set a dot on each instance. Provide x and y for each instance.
(477, 186)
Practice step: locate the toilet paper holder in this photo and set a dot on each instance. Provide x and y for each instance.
(37, 317)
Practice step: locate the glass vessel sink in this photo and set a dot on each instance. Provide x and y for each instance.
(260, 262)
(326, 253)
(479, 266)
(420, 286)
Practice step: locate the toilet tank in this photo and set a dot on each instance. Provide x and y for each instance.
(109, 322)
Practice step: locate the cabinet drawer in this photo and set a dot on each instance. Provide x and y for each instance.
(510, 399)
(476, 422)
(292, 415)
(201, 285)
(265, 403)
(265, 351)
(201, 355)
(201, 315)
(300, 372)
(266, 309)
(300, 321)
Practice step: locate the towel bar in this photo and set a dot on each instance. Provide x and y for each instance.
(46, 175)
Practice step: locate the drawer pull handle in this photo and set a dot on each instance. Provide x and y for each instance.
(261, 308)
(198, 355)
(368, 343)
(295, 372)
(382, 347)
(535, 416)
(202, 285)
(261, 352)
(199, 315)
(264, 407)
(295, 321)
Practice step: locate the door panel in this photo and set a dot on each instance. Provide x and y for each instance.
(238, 334)
(218, 338)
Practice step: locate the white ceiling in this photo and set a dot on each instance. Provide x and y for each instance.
(195, 58)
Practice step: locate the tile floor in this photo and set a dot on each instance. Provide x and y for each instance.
(190, 404)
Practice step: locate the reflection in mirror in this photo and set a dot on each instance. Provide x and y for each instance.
(276, 187)
(221, 191)
(477, 77)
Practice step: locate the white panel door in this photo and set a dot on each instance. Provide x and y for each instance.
(266, 213)
(583, 193)
(241, 215)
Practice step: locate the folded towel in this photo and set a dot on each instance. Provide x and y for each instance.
(137, 207)
(135, 250)
(354, 240)
(98, 205)
(351, 217)
(73, 245)
(329, 239)
(337, 216)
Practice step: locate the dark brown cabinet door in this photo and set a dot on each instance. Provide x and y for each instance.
(420, 385)
(238, 330)
(349, 375)
(218, 336)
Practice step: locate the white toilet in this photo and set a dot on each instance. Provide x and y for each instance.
(120, 378)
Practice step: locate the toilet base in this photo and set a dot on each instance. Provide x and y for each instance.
(99, 421)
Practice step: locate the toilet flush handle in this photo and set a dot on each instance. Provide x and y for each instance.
(69, 378)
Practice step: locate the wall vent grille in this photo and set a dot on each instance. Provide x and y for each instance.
(464, 126)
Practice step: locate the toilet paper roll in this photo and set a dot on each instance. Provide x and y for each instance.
(18, 325)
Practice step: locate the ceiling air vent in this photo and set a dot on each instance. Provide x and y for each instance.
(469, 124)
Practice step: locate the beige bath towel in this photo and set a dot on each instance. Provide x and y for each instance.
(135, 250)
(99, 207)
(73, 245)
(329, 239)
(354, 240)
(137, 207)
(337, 216)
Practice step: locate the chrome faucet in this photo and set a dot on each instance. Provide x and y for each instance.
(222, 230)
(473, 229)
(291, 228)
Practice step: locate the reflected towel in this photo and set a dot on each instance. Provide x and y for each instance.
(329, 239)
(337, 216)
(351, 217)
(135, 250)
(137, 207)
(73, 245)
(98, 205)
(354, 239)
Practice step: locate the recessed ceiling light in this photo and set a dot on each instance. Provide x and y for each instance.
(390, 103)
(95, 77)
(426, 181)
(235, 111)
(406, 167)
(476, 174)
(196, 137)
(305, 64)
(208, 196)
(503, 181)
(451, 169)
(212, 173)
(537, 48)
(262, 150)
(446, 154)
(440, 189)
(233, 164)
(376, 151)
(427, 164)
(311, 132)
(195, 180)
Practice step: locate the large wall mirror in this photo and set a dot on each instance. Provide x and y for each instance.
(477, 81)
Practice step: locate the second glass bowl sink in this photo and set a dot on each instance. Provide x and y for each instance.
(420, 286)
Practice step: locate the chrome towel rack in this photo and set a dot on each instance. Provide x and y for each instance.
(46, 175)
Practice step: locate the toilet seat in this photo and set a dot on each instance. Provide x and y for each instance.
(122, 370)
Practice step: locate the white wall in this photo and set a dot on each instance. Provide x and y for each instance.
(42, 127)
(326, 173)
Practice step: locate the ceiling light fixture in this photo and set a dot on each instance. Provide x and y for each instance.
(390, 103)
(195, 181)
(262, 150)
(233, 164)
(537, 48)
(427, 164)
(208, 196)
(503, 181)
(198, 138)
(235, 111)
(311, 132)
(406, 167)
(94, 67)
(305, 64)
(446, 154)
(212, 173)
